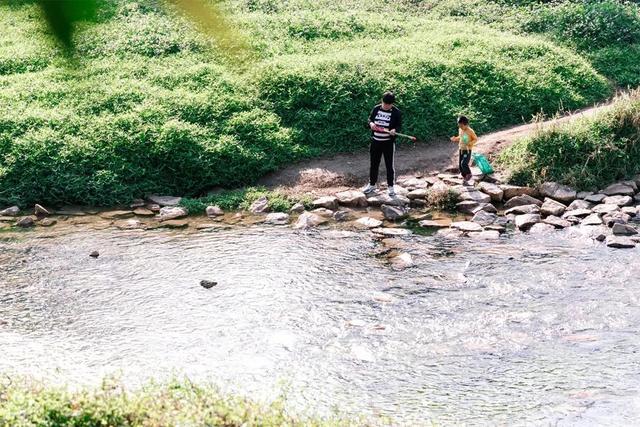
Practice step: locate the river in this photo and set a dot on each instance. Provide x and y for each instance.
(526, 330)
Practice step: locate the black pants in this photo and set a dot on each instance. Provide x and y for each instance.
(465, 157)
(377, 150)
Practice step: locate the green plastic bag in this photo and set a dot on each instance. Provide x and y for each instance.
(482, 163)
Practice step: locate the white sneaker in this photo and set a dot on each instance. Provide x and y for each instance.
(369, 189)
(392, 191)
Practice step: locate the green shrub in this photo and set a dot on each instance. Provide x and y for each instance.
(442, 199)
(587, 155)
(150, 107)
(502, 80)
(175, 403)
(242, 199)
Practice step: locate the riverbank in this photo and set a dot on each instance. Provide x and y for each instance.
(172, 404)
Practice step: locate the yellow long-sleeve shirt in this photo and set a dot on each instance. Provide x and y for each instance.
(467, 139)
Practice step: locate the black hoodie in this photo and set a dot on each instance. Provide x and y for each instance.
(387, 119)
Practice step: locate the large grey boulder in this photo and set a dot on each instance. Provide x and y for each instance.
(605, 209)
(522, 210)
(556, 222)
(620, 242)
(541, 228)
(368, 222)
(467, 207)
(619, 189)
(40, 211)
(511, 191)
(476, 196)
(525, 222)
(494, 191)
(12, 211)
(487, 207)
(522, 200)
(584, 194)
(593, 219)
(559, 192)
(613, 218)
(578, 213)
(419, 193)
(214, 211)
(168, 213)
(163, 201)
(595, 198)
(297, 208)
(308, 220)
(342, 215)
(260, 206)
(385, 199)
(552, 207)
(618, 200)
(579, 204)
(352, 198)
(623, 230)
(277, 218)
(484, 218)
(327, 202)
(394, 213)
(26, 222)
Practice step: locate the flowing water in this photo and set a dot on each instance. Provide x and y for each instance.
(527, 330)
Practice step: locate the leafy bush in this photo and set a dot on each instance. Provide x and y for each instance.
(242, 199)
(587, 155)
(176, 403)
(443, 199)
(589, 24)
(150, 107)
(502, 80)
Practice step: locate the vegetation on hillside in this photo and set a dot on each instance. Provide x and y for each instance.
(173, 404)
(151, 106)
(587, 154)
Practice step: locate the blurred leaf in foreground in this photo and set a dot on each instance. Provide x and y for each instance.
(211, 19)
(61, 15)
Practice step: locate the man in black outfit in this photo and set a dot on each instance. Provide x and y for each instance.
(384, 121)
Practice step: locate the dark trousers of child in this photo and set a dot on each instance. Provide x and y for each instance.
(377, 150)
(465, 170)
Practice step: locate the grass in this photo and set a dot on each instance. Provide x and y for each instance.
(149, 105)
(588, 154)
(179, 403)
(241, 199)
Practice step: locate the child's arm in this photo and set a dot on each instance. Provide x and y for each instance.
(455, 139)
(473, 138)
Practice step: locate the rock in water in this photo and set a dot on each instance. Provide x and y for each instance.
(394, 213)
(558, 192)
(522, 201)
(94, 254)
(40, 211)
(352, 198)
(213, 211)
(208, 284)
(367, 222)
(260, 206)
(277, 218)
(297, 208)
(619, 189)
(623, 230)
(525, 222)
(26, 222)
(620, 242)
(12, 211)
(327, 202)
(169, 213)
(308, 220)
(552, 207)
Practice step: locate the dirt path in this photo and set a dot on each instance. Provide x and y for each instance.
(343, 171)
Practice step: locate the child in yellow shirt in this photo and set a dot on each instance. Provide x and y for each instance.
(466, 139)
